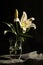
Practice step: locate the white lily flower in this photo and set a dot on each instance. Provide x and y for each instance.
(26, 23)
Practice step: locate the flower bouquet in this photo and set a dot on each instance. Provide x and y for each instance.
(20, 28)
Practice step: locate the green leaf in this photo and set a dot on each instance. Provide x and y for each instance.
(5, 32)
(11, 27)
(8, 24)
(24, 35)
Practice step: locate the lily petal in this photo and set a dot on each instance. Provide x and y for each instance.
(33, 25)
(28, 23)
(24, 30)
(32, 19)
(16, 20)
(24, 16)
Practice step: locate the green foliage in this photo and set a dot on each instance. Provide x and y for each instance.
(13, 30)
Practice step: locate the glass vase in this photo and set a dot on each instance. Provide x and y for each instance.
(15, 48)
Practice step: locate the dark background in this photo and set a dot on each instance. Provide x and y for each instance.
(33, 8)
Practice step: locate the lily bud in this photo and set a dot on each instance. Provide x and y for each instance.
(16, 13)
